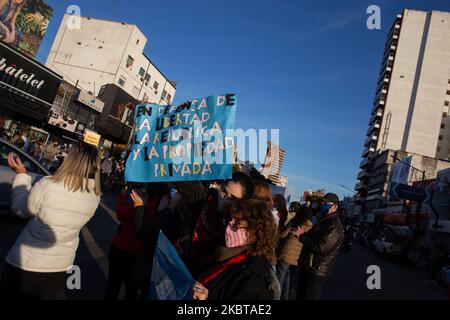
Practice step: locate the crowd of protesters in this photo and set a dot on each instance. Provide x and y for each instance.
(238, 240)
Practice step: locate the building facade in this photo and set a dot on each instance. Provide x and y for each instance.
(273, 163)
(103, 52)
(378, 181)
(410, 110)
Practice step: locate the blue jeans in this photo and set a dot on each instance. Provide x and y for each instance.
(284, 277)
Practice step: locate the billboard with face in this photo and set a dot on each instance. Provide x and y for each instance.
(23, 23)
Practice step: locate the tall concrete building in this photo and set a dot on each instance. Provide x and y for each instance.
(273, 163)
(99, 52)
(410, 112)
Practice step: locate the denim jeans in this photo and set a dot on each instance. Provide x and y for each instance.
(284, 277)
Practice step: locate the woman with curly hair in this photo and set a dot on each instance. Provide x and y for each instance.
(243, 269)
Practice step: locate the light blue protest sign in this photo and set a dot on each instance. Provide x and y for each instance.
(192, 141)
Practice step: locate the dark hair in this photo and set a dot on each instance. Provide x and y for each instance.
(246, 183)
(261, 227)
(303, 213)
(295, 206)
(157, 190)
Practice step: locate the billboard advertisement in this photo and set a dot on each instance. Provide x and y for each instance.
(23, 23)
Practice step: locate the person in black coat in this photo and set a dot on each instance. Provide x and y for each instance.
(243, 268)
(320, 249)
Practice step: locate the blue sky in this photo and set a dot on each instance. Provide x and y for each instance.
(308, 68)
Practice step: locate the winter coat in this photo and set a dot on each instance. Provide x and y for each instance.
(50, 240)
(321, 246)
(251, 279)
(290, 247)
(126, 239)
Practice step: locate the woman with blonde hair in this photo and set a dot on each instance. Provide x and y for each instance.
(264, 193)
(59, 206)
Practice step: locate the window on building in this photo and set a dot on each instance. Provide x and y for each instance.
(448, 92)
(446, 103)
(438, 149)
(156, 85)
(130, 61)
(448, 81)
(440, 137)
(147, 77)
(122, 81)
(442, 126)
(137, 41)
(163, 94)
(444, 114)
(142, 72)
(169, 97)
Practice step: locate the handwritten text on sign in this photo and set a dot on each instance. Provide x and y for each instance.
(192, 141)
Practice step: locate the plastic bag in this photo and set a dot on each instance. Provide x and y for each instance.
(170, 279)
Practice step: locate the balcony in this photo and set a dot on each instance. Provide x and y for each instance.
(375, 125)
(360, 186)
(367, 151)
(393, 40)
(395, 29)
(364, 162)
(380, 96)
(387, 63)
(390, 51)
(371, 138)
(378, 105)
(383, 84)
(363, 174)
(377, 113)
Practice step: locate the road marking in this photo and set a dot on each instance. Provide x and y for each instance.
(111, 212)
(95, 251)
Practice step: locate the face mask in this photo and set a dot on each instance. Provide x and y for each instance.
(236, 238)
(325, 208)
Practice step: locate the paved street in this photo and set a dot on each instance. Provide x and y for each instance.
(348, 281)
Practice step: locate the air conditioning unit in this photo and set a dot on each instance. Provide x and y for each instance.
(156, 92)
(146, 83)
(142, 79)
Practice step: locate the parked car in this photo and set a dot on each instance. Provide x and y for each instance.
(35, 169)
(386, 247)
